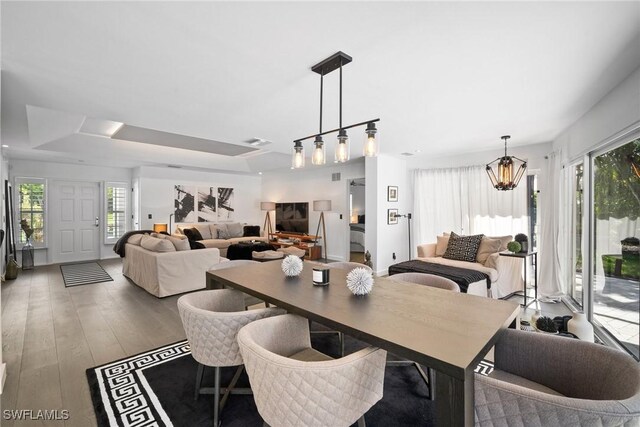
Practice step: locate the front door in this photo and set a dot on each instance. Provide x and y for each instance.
(75, 224)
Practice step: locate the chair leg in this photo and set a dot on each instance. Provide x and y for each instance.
(341, 338)
(361, 422)
(231, 385)
(216, 402)
(199, 376)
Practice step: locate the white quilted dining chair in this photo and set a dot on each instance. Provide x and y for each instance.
(249, 300)
(295, 385)
(211, 321)
(432, 281)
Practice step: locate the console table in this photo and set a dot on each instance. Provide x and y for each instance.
(313, 252)
(534, 259)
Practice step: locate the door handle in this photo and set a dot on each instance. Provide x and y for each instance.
(97, 222)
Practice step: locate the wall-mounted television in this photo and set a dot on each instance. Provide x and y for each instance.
(292, 217)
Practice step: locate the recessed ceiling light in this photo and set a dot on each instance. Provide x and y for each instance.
(418, 151)
(259, 173)
(5, 146)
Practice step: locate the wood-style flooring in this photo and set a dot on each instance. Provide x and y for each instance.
(52, 334)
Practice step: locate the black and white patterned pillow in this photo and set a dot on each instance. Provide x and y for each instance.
(463, 248)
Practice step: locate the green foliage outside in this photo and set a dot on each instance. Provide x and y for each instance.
(630, 266)
(31, 208)
(616, 185)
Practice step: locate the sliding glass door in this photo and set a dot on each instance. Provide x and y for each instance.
(615, 248)
(576, 245)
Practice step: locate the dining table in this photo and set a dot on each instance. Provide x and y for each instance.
(449, 332)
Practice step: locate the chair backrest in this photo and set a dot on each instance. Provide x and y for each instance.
(348, 266)
(332, 392)
(211, 321)
(233, 263)
(427, 280)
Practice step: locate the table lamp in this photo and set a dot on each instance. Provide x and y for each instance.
(322, 206)
(160, 227)
(267, 206)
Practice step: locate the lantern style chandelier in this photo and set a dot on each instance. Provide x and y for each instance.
(342, 152)
(507, 176)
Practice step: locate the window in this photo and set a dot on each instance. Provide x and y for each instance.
(31, 209)
(116, 207)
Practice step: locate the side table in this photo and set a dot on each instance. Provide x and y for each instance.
(534, 259)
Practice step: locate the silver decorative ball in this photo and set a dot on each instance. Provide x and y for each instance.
(360, 281)
(292, 265)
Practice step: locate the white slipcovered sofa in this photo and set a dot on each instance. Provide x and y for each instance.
(220, 235)
(163, 271)
(505, 273)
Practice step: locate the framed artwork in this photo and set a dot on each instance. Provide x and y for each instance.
(392, 193)
(391, 216)
(184, 203)
(226, 204)
(207, 204)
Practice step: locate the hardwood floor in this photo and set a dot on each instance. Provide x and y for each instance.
(52, 334)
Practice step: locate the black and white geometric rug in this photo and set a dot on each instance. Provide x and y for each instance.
(156, 389)
(84, 273)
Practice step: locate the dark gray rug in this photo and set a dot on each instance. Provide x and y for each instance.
(156, 388)
(83, 273)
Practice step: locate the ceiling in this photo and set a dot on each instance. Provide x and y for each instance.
(444, 78)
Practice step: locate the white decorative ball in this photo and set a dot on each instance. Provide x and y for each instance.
(360, 281)
(292, 265)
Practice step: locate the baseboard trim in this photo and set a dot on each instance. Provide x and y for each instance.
(3, 376)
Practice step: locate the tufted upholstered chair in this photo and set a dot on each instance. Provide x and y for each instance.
(433, 281)
(543, 380)
(211, 321)
(295, 385)
(248, 299)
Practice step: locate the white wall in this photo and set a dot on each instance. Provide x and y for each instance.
(618, 112)
(314, 183)
(68, 172)
(381, 172)
(157, 193)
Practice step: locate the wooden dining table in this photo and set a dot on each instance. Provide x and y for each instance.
(447, 331)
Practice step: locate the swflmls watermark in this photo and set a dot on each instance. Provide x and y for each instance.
(35, 414)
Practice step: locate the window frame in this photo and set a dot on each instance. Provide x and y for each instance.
(114, 184)
(18, 181)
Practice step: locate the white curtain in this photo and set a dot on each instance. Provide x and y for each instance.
(553, 234)
(463, 200)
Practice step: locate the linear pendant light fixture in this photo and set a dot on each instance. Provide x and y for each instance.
(342, 152)
(505, 179)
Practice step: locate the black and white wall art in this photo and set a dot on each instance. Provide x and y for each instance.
(207, 204)
(184, 203)
(226, 207)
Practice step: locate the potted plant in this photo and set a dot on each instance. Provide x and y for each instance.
(546, 324)
(27, 249)
(523, 240)
(514, 246)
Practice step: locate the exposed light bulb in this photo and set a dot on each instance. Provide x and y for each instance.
(342, 147)
(297, 160)
(318, 157)
(370, 143)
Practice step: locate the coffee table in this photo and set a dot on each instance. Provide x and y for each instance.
(243, 250)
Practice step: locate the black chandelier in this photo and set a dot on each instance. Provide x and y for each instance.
(506, 179)
(342, 152)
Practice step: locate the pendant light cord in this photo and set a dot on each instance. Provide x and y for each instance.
(321, 92)
(340, 95)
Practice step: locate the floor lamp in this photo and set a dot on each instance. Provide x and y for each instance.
(267, 206)
(408, 216)
(322, 206)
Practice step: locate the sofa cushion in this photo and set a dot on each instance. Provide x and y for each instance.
(157, 245)
(193, 244)
(205, 231)
(213, 229)
(504, 241)
(223, 232)
(251, 231)
(181, 244)
(216, 243)
(463, 248)
(192, 234)
(441, 245)
(135, 239)
(235, 229)
(487, 247)
(158, 235)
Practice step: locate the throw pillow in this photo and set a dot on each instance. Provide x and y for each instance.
(195, 245)
(204, 230)
(157, 245)
(234, 229)
(223, 231)
(192, 234)
(463, 248)
(251, 231)
(180, 244)
(135, 239)
(487, 247)
(504, 241)
(441, 245)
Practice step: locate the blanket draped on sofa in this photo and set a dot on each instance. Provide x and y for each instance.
(120, 244)
(462, 276)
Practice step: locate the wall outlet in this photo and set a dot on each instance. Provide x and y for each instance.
(394, 256)
(150, 216)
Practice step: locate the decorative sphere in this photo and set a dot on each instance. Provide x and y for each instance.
(514, 246)
(292, 265)
(360, 281)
